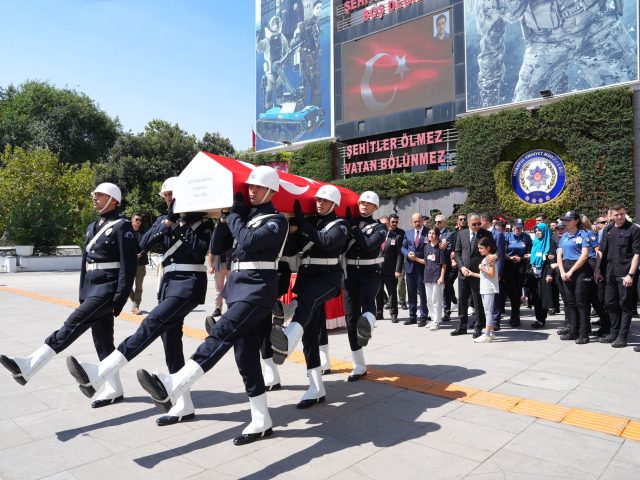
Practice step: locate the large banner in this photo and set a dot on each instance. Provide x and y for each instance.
(398, 69)
(517, 49)
(294, 90)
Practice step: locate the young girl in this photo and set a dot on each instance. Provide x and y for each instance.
(488, 287)
(434, 271)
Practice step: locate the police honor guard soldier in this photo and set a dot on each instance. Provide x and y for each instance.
(363, 279)
(321, 241)
(109, 263)
(182, 286)
(259, 234)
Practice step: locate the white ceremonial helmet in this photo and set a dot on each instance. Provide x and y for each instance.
(264, 176)
(167, 186)
(371, 197)
(329, 192)
(109, 189)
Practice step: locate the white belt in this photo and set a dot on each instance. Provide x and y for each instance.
(318, 261)
(102, 266)
(184, 267)
(236, 266)
(365, 261)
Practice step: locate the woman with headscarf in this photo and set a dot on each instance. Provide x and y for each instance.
(540, 273)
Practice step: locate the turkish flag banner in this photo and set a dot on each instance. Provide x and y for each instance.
(398, 69)
(210, 181)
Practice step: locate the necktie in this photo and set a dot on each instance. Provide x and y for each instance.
(417, 240)
(473, 240)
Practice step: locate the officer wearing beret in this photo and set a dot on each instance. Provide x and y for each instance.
(322, 238)
(363, 279)
(182, 286)
(109, 263)
(259, 233)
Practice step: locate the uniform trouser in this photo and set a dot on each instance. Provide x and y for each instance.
(312, 296)
(361, 287)
(390, 282)
(595, 301)
(164, 320)
(513, 287)
(402, 289)
(449, 292)
(469, 287)
(415, 288)
(136, 291)
(219, 277)
(620, 304)
(576, 296)
(240, 326)
(94, 312)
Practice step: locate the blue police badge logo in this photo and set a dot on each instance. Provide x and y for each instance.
(538, 176)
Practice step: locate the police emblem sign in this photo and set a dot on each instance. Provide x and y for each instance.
(538, 176)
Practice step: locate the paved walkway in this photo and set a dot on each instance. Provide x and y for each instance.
(466, 426)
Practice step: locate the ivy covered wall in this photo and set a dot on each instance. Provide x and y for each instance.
(591, 132)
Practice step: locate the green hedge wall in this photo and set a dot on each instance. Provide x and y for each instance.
(592, 133)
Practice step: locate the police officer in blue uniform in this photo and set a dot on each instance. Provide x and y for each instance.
(109, 263)
(183, 285)
(258, 233)
(321, 240)
(518, 244)
(577, 277)
(363, 279)
(594, 300)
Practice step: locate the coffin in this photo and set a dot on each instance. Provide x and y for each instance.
(209, 182)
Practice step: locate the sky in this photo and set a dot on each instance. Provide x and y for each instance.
(189, 62)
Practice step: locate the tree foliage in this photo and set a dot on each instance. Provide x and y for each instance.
(65, 122)
(217, 144)
(44, 202)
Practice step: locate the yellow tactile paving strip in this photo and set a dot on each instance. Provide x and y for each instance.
(595, 421)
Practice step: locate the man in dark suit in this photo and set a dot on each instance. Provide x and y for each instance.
(468, 259)
(391, 268)
(412, 247)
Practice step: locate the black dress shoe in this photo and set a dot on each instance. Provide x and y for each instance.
(619, 343)
(477, 333)
(280, 344)
(447, 316)
(422, 323)
(411, 321)
(170, 419)
(76, 370)
(106, 403)
(154, 387)
(356, 376)
(271, 388)
(602, 332)
(379, 316)
(394, 319)
(538, 324)
(568, 336)
(246, 438)
(209, 322)
(609, 338)
(497, 327)
(458, 331)
(403, 306)
(216, 313)
(327, 372)
(387, 306)
(309, 403)
(582, 340)
(636, 348)
(13, 367)
(562, 331)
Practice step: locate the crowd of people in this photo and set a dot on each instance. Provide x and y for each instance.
(253, 250)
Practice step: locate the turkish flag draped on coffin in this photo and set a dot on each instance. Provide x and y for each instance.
(209, 182)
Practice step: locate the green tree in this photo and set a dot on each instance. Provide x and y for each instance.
(66, 122)
(44, 202)
(216, 143)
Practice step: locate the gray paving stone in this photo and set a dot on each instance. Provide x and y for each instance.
(464, 438)
(584, 453)
(629, 452)
(492, 418)
(12, 434)
(620, 471)
(546, 380)
(530, 392)
(621, 404)
(412, 460)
